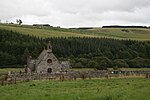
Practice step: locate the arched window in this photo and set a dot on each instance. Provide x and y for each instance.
(49, 70)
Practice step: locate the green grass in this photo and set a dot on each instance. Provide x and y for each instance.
(135, 69)
(44, 33)
(123, 69)
(102, 89)
(4, 70)
(82, 69)
(132, 33)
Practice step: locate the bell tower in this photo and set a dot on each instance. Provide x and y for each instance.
(49, 47)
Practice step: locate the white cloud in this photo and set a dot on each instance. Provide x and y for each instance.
(76, 13)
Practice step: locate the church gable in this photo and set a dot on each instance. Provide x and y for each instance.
(41, 56)
(47, 62)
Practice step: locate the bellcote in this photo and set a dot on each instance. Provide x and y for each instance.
(49, 47)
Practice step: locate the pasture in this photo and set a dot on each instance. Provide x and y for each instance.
(95, 89)
(4, 70)
(117, 33)
(43, 33)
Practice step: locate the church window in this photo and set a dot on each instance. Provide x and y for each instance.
(49, 70)
(49, 61)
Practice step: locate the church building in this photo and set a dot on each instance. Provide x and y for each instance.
(47, 62)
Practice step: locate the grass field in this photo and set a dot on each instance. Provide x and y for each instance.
(130, 33)
(4, 70)
(44, 33)
(96, 89)
(133, 33)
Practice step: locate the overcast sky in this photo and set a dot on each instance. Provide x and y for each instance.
(77, 13)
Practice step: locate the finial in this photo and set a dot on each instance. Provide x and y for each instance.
(49, 46)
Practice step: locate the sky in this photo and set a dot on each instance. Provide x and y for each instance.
(76, 13)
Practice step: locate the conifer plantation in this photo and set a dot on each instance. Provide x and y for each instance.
(82, 52)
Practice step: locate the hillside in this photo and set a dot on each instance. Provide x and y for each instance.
(84, 48)
(46, 32)
(82, 52)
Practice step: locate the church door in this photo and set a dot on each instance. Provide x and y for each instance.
(49, 70)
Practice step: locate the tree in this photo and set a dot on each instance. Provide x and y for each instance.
(137, 62)
(92, 64)
(103, 61)
(120, 63)
(108, 54)
(84, 61)
(78, 65)
(25, 55)
(81, 50)
(19, 21)
(6, 58)
(125, 55)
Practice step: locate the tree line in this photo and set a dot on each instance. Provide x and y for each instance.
(99, 53)
(117, 26)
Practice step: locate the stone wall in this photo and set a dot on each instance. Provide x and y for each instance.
(80, 74)
(71, 75)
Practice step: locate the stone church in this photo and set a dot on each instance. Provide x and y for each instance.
(47, 62)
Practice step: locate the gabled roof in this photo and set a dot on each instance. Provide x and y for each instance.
(41, 56)
(44, 52)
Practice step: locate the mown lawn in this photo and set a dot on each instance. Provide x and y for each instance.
(96, 89)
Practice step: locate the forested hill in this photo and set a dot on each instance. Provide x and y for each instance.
(82, 52)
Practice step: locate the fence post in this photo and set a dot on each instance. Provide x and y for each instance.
(75, 77)
(2, 82)
(147, 75)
